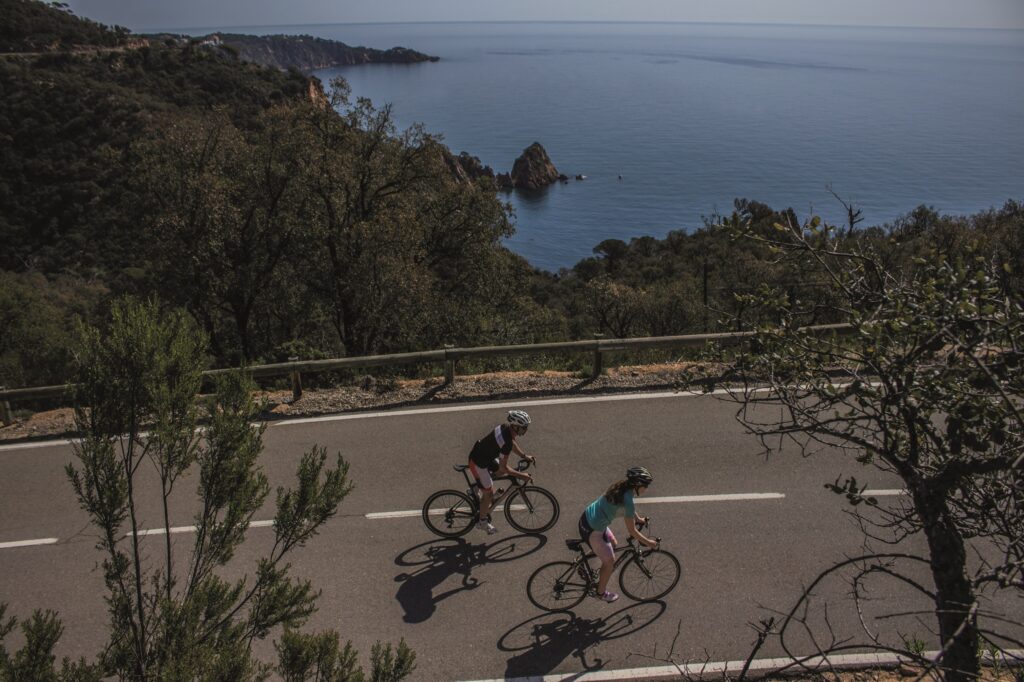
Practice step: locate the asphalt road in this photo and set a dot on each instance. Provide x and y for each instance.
(461, 604)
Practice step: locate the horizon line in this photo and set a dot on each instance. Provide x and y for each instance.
(582, 21)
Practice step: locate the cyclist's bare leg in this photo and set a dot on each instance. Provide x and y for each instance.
(486, 498)
(486, 488)
(606, 572)
(603, 544)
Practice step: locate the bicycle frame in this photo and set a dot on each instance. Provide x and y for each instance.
(622, 554)
(474, 488)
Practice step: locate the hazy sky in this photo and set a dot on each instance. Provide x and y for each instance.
(152, 14)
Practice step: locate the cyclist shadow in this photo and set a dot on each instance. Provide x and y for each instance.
(436, 561)
(547, 640)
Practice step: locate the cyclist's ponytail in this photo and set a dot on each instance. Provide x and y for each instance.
(616, 492)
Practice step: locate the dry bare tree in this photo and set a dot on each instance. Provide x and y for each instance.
(926, 386)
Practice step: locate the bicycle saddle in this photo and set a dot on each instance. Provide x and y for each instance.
(573, 544)
(460, 467)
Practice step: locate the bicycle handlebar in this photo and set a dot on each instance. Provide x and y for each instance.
(640, 526)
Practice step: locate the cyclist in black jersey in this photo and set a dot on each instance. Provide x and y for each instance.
(489, 459)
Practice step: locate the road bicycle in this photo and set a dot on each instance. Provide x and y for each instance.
(528, 508)
(645, 575)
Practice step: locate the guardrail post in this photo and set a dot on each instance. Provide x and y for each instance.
(5, 411)
(296, 381)
(449, 366)
(598, 365)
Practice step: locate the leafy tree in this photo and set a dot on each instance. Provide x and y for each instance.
(405, 255)
(933, 396)
(137, 405)
(35, 660)
(669, 308)
(613, 252)
(37, 317)
(227, 207)
(614, 306)
(319, 657)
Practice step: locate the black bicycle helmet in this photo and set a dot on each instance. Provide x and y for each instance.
(639, 476)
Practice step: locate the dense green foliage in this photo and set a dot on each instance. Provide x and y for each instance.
(67, 125)
(31, 26)
(290, 225)
(655, 287)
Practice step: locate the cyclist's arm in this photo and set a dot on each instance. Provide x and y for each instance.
(635, 532)
(519, 451)
(504, 471)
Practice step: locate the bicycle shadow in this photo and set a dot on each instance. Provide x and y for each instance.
(546, 640)
(438, 560)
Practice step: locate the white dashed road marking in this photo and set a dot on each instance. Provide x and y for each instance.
(28, 543)
(732, 497)
(640, 501)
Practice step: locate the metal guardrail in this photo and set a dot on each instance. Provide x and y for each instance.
(448, 356)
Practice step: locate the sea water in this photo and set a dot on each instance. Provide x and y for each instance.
(671, 122)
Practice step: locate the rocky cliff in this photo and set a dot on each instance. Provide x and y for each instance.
(307, 53)
(467, 168)
(533, 169)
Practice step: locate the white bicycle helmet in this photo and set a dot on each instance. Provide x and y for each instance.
(519, 418)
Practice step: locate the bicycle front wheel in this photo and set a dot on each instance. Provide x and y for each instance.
(557, 586)
(449, 513)
(531, 509)
(650, 575)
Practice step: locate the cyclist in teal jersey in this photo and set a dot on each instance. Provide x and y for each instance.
(595, 522)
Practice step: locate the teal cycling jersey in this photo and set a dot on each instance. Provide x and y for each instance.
(601, 512)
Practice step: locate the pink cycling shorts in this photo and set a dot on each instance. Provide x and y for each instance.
(603, 544)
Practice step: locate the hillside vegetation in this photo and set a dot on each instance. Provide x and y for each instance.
(30, 26)
(289, 224)
(306, 53)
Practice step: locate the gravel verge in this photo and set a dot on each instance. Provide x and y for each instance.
(371, 394)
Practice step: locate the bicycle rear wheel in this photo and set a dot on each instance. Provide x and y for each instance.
(557, 586)
(531, 509)
(650, 575)
(449, 513)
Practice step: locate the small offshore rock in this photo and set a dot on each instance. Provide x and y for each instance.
(534, 169)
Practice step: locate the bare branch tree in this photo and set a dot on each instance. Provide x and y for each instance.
(931, 392)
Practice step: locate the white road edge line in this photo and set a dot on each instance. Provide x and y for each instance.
(884, 493)
(429, 410)
(28, 543)
(498, 406)
(426, 410)
(716, 669)
(641, 501)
